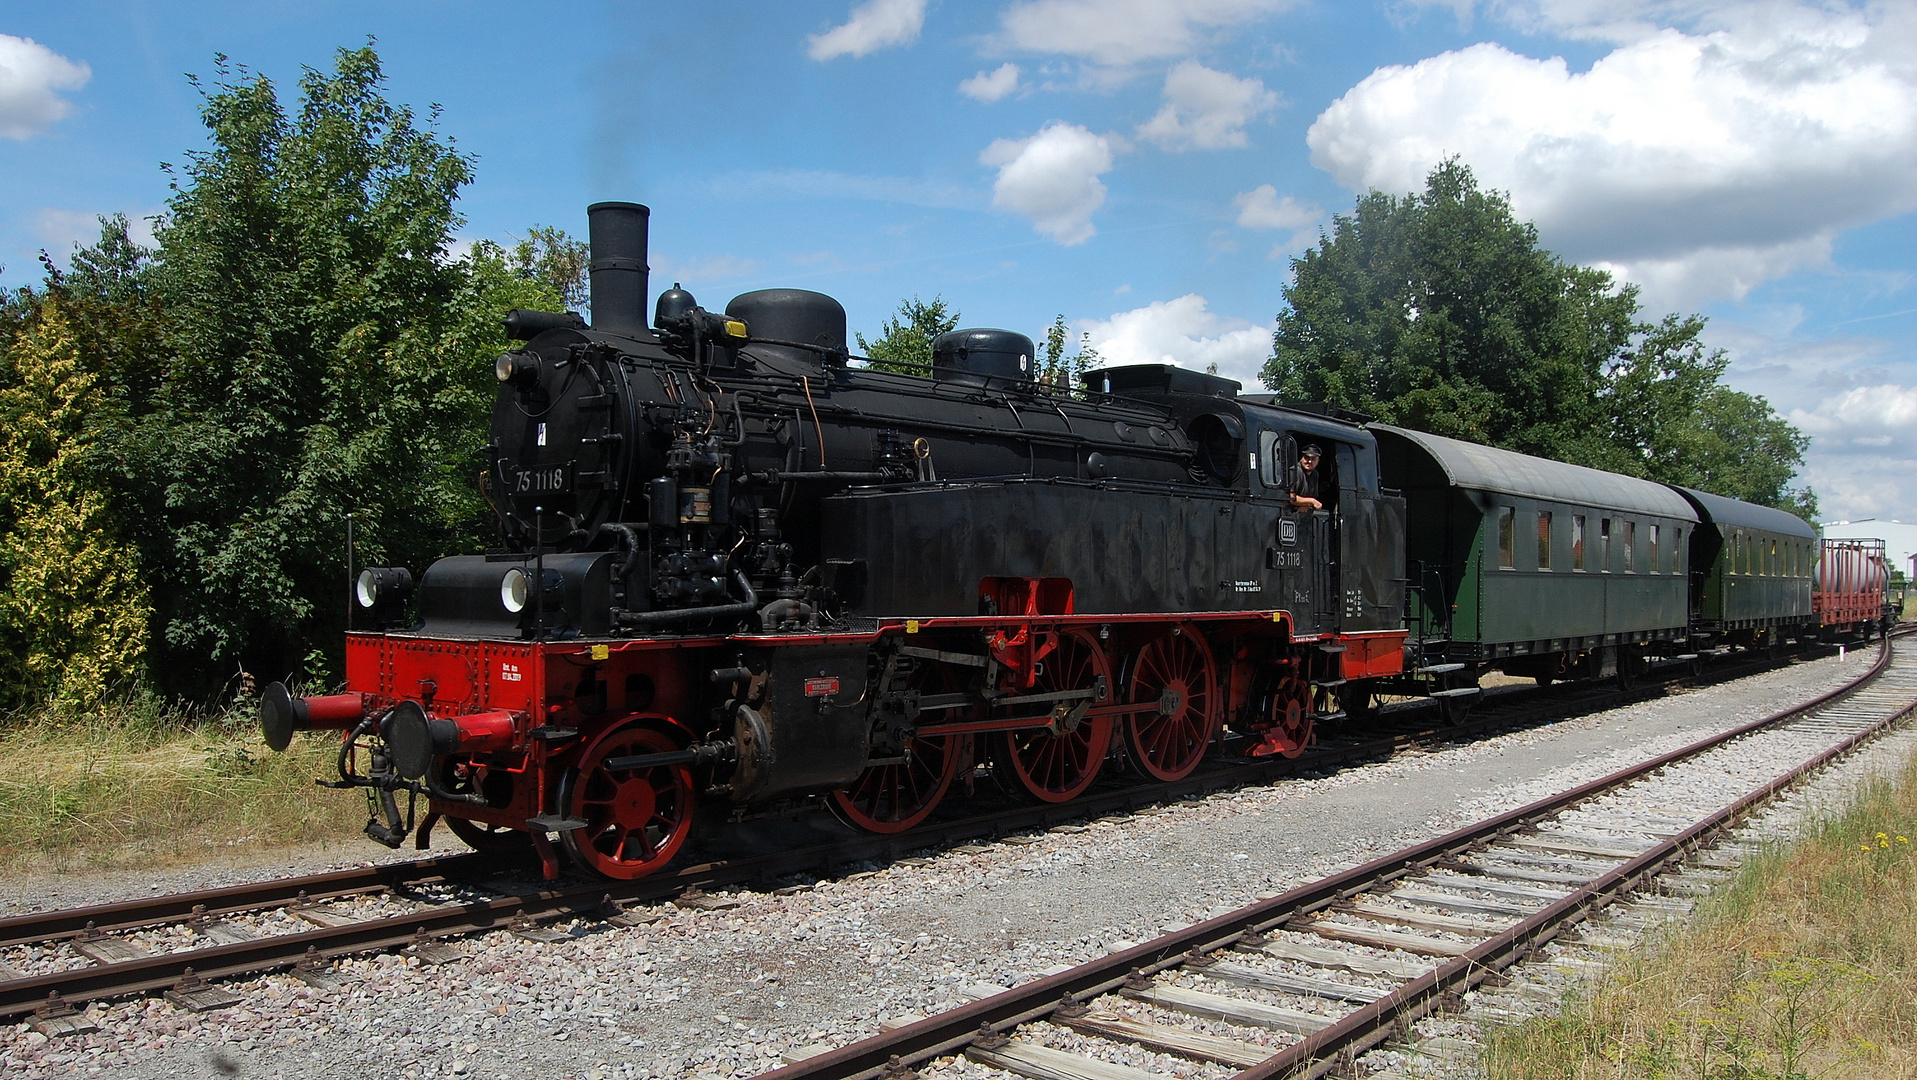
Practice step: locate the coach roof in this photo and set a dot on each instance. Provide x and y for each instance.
(1722, 511)
(1504, 472)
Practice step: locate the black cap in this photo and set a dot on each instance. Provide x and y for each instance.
(1311, 450)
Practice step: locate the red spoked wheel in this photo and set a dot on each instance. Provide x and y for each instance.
(636, 819)
(1286, 718)
(1174, 678)
(1058, 765)
(894, 798)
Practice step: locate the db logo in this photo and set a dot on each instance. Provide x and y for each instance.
(509, 673)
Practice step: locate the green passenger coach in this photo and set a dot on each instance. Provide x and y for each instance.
(1751, 569)
(1538, 568)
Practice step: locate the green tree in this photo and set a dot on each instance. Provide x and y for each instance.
(1671, 419)
(73, 607)
(303, 263)
(1057, 369)
(1440, 311)
(555, 261)
(906, 344)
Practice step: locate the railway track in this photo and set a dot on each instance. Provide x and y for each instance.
(1312, 979)
(177, 943)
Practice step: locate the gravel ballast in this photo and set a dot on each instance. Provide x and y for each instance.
(730, 992)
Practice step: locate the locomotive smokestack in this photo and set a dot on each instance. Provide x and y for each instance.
(617, 233)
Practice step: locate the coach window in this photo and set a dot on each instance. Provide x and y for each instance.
(1677, 551)
(1604, 545)
(1577, 541)
(1774, 569)
(1652, 563)
(1507, 538)
(1630, 547)
(1544, 540)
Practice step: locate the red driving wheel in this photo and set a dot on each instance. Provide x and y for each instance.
(1288, 719)
(893, 798)
(636, 819)
(1059, 767)
(1173, 679)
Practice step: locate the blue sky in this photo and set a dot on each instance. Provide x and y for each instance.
(1143, 167)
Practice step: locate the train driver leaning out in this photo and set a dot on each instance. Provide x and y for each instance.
(1304, 480)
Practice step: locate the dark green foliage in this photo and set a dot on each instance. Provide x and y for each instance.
(303, 265)
(1440, 312)
(906, 344)
(299, 346)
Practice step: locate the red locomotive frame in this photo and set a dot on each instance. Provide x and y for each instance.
(525, 729)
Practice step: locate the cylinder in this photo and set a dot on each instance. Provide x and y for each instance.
(616, 232)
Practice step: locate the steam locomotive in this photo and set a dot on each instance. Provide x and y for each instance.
(737, 572)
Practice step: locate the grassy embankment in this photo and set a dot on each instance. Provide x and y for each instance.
(138, 783)
(1803, 967)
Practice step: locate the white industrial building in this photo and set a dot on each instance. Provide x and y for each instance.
(1900, 538)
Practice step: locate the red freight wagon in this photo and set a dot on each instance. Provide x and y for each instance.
(1851, 578)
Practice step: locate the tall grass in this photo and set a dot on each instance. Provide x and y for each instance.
(137, 782)
(1803, 967)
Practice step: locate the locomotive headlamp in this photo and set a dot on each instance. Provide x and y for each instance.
(383, 590)
(388, 583)
(514, 590)
(517, 368)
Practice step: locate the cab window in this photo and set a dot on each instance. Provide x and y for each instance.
(1274, 460)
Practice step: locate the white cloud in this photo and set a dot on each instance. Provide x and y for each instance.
(1262, 208)
(1118, 32)
(1206, 109)
(989, 86)
(1185, 332)
(873, 25)
(1699, 164)
(60, 230)
(1863, 451)
(30, 77)
(1863, 419)
(1052, 178)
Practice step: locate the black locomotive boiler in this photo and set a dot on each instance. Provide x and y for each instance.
(737, 570)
